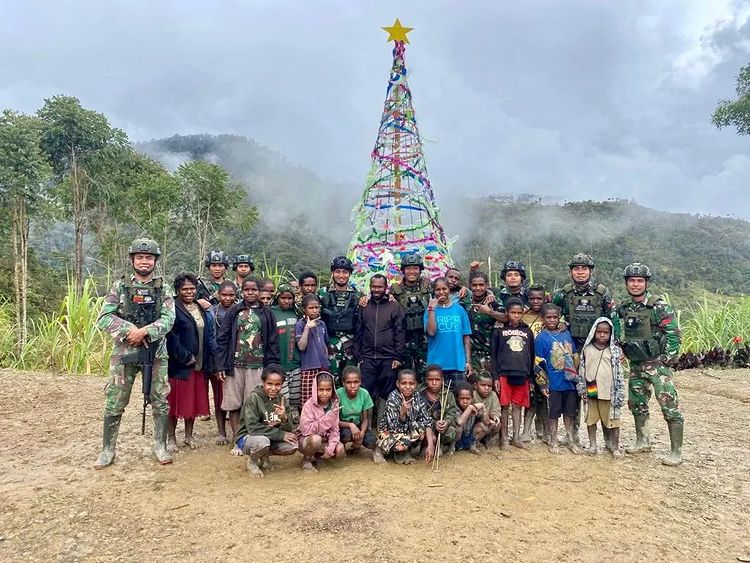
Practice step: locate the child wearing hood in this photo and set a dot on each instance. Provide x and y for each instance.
(265, 425)
(602, 385)
(318, 429)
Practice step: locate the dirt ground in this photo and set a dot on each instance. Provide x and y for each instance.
(526, 506)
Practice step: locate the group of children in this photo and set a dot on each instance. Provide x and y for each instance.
(418, 420)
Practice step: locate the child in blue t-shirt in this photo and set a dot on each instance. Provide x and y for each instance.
(555, 350)
(448, 334)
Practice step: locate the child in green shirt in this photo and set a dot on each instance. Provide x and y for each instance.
(356, 411)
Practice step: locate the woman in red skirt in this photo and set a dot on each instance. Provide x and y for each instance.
(190, 344)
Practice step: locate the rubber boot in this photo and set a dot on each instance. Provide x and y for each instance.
(161, 422)
(109, 439)
(642, 436)
(675, 438)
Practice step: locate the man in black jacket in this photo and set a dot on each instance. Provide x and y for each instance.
(379, 340)
(246, 342)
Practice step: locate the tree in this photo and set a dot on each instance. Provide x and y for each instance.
(71, 137)
(208, 201)
(24, 172)
(736, 112)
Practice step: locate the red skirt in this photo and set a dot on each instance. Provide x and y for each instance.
(188, 398)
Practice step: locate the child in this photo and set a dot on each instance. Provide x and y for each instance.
(487, 425)
(311, 337)
(405, 422)
(435, 393)
(246, 342)
(265, 297)
(319, 424)
(448, 334)
(308, 283)
(268, 285)
(601, 385)
(537, 414)
(286, 317)
(484, 311)
(555, 348)
(227, 299)
(356, 411)
(467, 412)
(265, 427)
(513, 360)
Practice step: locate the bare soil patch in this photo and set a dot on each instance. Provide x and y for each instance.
(525, 506)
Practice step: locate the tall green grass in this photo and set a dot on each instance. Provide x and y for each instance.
(274, 272)
(715, 323)
(67, 341)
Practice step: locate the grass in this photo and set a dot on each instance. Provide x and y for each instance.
(715, 322)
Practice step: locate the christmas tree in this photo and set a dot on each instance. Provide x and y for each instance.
(397, 214)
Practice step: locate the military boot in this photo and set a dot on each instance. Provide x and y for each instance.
(675, 438)
(109, 439)
(642, 436)
(160, 439)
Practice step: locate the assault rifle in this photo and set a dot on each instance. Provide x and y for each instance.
(143, 357)
(203, 292)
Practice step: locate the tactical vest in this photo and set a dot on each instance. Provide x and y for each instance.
(337, 315)
(414, 303)
(141, 304)
(583, 310)
(640, 340)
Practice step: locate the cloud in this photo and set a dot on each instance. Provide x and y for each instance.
(570, 99)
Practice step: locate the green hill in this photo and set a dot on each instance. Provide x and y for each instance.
(686, 253)
(305, 220)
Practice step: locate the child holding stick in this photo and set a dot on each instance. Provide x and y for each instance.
(405, 422)
(442, 406)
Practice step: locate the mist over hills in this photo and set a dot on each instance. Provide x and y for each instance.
(305, 220)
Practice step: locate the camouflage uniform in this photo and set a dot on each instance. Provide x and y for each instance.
(338, 310)
(502, 294)
(651, 340)
(581, 305)
(117, 393)
(414, 300)
(482, 326)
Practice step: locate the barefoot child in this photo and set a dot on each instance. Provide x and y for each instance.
(513, 360)
(356, 411)
(312, 341)
(487, 425)
(435, 392)
(555, 348)
(286, 317)
(318, 429)
(602, 385)
(405, 422)
(537, 414)
(265, 427)
(467, 412)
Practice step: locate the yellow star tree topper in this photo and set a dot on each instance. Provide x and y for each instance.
(397, 32)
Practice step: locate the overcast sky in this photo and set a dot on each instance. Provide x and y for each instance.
(572, 99)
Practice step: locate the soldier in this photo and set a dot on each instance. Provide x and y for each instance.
(413, 294)
(484, 311)
(217, 263)
(582, 303)
(243, 266)
(650, 337)
(138, 311)
(339, 305)
(514, 278)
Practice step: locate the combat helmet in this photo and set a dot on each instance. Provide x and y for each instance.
(581, 259)
(343, 263)
(513, 265)
(144, 246)
(243, 259)
(636, 270)
(414, 259)
(217, 257)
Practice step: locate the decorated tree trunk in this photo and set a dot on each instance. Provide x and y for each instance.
(397, 214)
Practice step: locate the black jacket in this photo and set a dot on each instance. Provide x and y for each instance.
(183, 344)
(379, 330)
(513, 353)
(226, 338)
